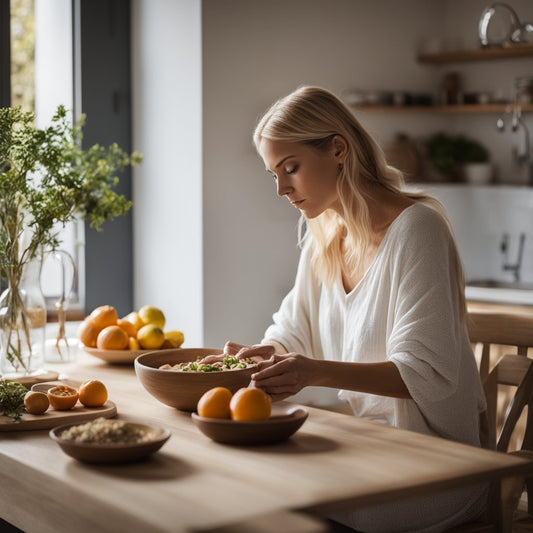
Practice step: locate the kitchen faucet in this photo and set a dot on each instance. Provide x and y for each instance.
(513, 267)
(524, 156)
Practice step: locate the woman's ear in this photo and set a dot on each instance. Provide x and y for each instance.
(340, 147)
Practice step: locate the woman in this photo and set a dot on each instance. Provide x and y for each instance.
(378, 306)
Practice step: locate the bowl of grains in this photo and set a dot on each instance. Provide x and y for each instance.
(178, 377)
(105, 440)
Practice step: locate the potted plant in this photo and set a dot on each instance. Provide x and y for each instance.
(46, 179)
(474, 160)
(459, 157)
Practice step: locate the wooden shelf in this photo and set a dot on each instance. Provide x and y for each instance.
(444, 109)
(481, 54)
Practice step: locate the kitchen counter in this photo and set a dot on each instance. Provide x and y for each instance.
(500, 307)
(500, 295)
(332, 463)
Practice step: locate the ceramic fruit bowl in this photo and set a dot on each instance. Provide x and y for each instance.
(114, 356)
(285, 420)
(182, 390)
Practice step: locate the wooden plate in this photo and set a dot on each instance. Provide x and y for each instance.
(285, 420)
(52, 417)
(111, 453)
(115, 356)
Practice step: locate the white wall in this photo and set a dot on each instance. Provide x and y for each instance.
(167, 187)
(214, 246)
(254, 52)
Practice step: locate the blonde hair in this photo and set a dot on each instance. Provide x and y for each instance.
(313, 116)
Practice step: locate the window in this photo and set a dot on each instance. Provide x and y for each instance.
(81, 59)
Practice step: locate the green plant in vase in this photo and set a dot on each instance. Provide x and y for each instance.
(46, 180)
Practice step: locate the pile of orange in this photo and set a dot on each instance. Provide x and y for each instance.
(104, 329)
(91, 393)
(245, 404)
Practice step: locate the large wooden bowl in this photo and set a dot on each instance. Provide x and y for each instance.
(182, 390)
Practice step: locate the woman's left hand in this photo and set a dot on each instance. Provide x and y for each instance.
(282, 376)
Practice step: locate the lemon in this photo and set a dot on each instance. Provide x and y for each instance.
(176, 338)
(152, 315)
(135, 319)
(151, 337)
(134, 344)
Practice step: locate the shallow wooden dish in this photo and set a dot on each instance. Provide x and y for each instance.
(285, 420)
(182, 390)
(114, 356)
(111, 453)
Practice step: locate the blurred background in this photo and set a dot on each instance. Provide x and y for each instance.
(185, 81)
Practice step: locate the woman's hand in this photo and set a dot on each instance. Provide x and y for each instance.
(282, 376)
(257, 352)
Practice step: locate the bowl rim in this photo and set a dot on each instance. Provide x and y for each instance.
(163, 435)
(139, 362)
(297, 413)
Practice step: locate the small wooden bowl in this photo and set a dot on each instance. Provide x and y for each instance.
(285, 420)
(111, 453)
(182, 390)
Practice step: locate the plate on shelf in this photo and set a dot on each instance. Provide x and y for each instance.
(285, 420)
(115, 356)
(112, 453)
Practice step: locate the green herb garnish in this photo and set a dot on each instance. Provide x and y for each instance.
(12, 398)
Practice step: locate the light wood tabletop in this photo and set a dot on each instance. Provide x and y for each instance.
(334, 462)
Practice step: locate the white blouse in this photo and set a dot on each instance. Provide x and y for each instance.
(403, 310)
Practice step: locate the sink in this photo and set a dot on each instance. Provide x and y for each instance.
(496, 284)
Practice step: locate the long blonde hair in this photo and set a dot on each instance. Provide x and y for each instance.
(313, 116)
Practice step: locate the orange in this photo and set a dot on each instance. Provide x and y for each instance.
(250, 404)
(104, 316)
(135, 319)
(112, 338)
(87, 332)
(92, 393)
(127, 326)
(215, 403)
(62, 397)
(36, 403)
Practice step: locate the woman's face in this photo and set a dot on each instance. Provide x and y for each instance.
(306, 176)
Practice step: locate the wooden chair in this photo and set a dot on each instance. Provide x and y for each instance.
(509, 331)
(513, 329)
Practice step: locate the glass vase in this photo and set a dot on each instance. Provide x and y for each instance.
(22, 324)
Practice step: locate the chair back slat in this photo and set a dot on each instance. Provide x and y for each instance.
(512, 369)
(511, 365)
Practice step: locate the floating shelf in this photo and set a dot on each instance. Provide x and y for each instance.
(481, 54)
(444, 109)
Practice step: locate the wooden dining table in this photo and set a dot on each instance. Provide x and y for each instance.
(333, 463)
